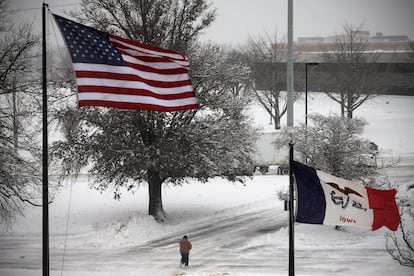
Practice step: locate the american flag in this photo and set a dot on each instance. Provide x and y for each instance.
(112, 71)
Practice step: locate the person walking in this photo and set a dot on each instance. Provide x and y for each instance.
(185, 247)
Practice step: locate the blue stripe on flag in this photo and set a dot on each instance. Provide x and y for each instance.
(311, 198)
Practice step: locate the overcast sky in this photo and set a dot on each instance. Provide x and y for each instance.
(237, 19)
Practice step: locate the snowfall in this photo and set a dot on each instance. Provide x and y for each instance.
(235, 228)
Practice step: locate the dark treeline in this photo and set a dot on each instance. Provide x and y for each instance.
(386, 78)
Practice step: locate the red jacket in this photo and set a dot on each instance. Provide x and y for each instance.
(185, 246)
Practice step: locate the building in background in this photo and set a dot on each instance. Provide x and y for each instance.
(393, 67)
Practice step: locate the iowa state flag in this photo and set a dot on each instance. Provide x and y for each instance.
(326, 199)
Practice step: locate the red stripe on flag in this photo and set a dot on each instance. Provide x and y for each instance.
(130, 77)
(141, 106)
(132, 91)
(146, 58)
(146, 46)
(385, 208)
(165, 71)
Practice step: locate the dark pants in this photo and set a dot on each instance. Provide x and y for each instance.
(184, 258)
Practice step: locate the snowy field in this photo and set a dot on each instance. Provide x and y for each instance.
(236, 229)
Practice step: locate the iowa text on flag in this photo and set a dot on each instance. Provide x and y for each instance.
(326, 199)
(116, 72)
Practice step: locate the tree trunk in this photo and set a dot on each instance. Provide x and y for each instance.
(155, 196)
(350, 113)
(15, 122)
(277, 114)
(277, 122)
(349, 106)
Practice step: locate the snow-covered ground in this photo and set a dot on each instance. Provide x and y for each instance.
(390, 119)
(235, 228)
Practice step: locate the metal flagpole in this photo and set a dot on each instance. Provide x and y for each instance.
(291, 214)
(45, 229)
(289, 84)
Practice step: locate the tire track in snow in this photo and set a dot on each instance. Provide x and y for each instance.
(218, 241)
(249, 222)
(221, 242)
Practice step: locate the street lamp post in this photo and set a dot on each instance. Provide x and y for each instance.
(306, 88)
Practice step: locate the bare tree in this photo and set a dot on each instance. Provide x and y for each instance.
(266, 54)
(19, 152)
(128, 147)
(400, 245)
(239, 87)
(411, 46)
(16, 44)
(354, 76)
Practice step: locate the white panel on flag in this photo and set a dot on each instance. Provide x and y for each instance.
(346, 202)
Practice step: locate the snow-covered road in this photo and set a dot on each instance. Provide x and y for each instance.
(219, 243)
(246, 237)
(232, 242)
(222, 243)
